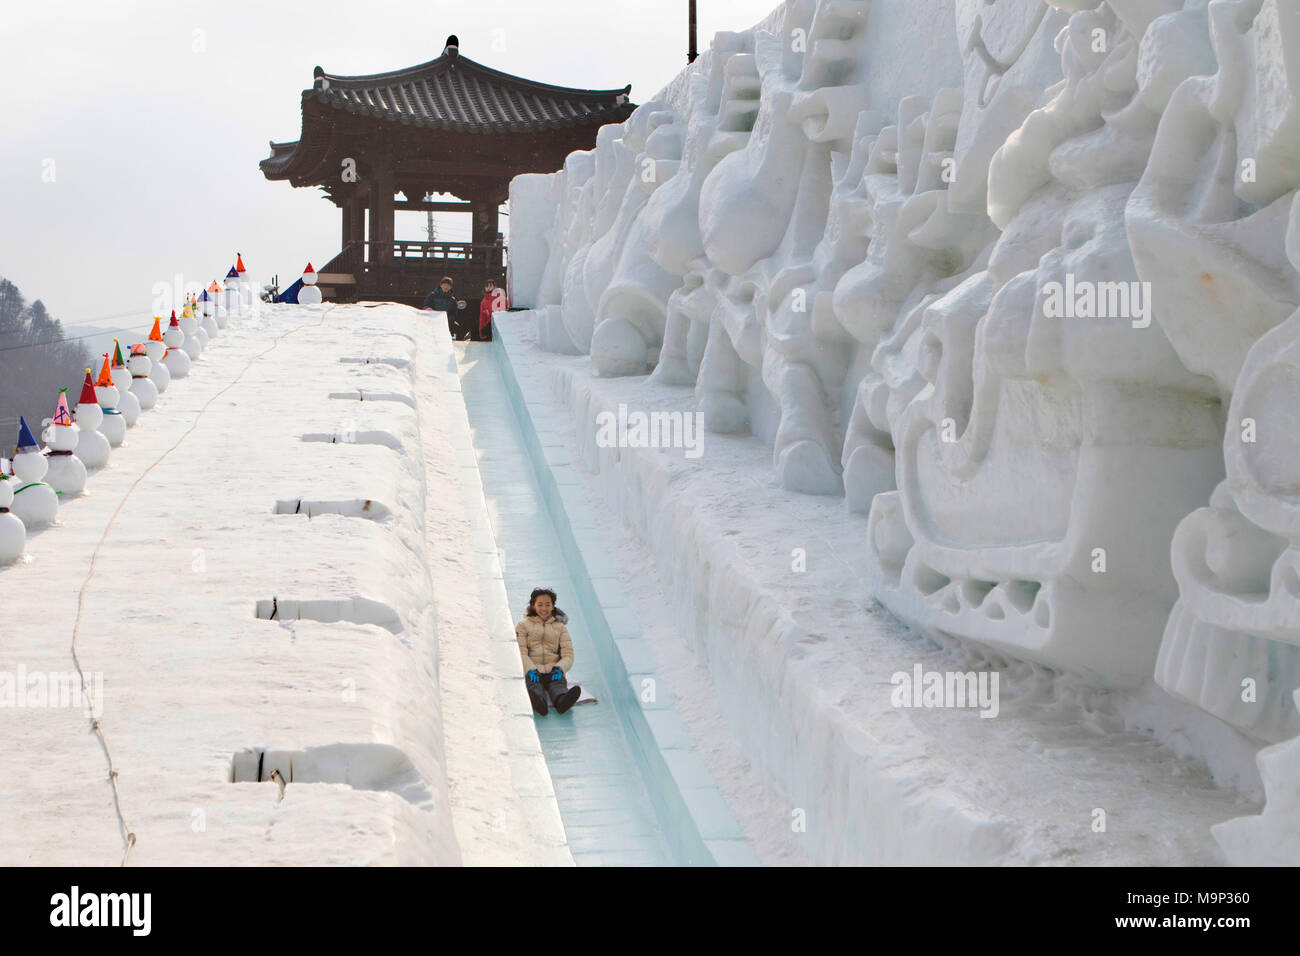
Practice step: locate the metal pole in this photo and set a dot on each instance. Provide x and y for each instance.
(691, 52)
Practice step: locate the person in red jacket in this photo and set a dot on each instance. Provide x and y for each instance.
(494, 300)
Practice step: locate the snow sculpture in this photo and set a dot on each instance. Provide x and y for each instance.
(1230, 642)
(34, 502)
(917, 249)
(632, 310)
(1041, 477)
(67, 473)
(142, 385)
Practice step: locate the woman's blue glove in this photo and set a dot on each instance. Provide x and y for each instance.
(534, 677)
(556, 673)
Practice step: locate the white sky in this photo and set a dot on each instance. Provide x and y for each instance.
(153, 144)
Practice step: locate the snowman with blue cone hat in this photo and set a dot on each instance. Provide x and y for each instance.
(35, 502)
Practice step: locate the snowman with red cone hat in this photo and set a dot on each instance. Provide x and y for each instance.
(246, 297)
(35, 503)
(67, 472)
(309, 294)
(92, 446)
(177, 359)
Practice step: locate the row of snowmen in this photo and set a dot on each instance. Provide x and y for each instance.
(82, 438)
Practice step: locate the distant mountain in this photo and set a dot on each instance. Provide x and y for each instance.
(36, 360)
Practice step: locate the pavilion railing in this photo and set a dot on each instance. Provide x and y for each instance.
(411, 268)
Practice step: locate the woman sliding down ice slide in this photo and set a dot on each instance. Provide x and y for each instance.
(547, 654)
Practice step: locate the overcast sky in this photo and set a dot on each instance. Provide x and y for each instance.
(131, 131)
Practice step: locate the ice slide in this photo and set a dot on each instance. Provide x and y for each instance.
(630, 788)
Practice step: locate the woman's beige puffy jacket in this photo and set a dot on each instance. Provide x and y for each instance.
(543, 646)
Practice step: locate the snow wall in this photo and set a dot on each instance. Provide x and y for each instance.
(1018, 279)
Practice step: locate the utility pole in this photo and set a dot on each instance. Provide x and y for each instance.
(691, 52)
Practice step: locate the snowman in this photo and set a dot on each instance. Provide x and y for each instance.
(127, 402)
(176, 359)
(156, 349)
(92, 447)
(245, 283)
(234, 301)
(142, 386)
(114, 425)
(309, 294)
(67, 474)
(192, 345)
(13, 533)
(35, 502)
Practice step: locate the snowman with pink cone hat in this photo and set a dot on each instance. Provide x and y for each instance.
(67, 472)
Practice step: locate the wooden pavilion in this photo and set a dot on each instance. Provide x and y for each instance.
(447, 126)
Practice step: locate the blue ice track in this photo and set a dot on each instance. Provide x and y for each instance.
(623, 800)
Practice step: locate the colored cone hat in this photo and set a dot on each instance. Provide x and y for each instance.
(105, 374)
(156, 334)
(26, 440)
(239, 263)
(61, 414)
(88, 391)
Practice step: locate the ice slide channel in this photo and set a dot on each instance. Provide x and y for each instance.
(630, 786)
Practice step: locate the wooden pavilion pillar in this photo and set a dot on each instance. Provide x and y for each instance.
(382, 190)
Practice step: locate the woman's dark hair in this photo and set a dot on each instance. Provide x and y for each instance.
(555, 613)
(446, 279)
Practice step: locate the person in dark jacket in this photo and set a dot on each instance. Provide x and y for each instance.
(442, 299)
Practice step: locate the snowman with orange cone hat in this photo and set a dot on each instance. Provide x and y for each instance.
(67, 472)
(35, 503)
(92, 446)
(156, 349)
(114, 425)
